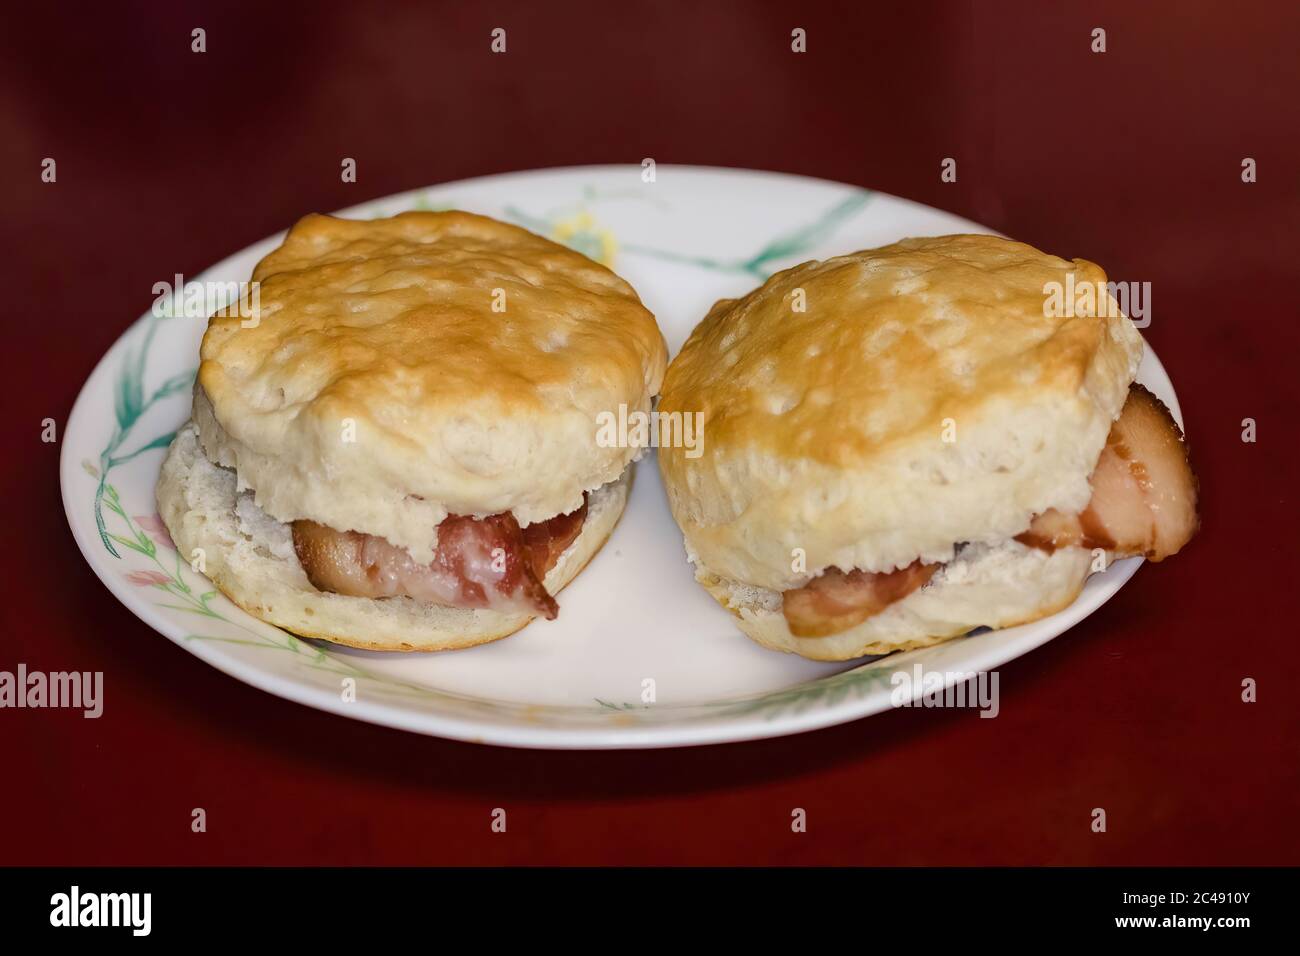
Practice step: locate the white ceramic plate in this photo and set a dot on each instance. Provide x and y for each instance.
(635, 614)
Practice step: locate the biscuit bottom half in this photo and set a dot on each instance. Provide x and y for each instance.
(250, 557)
(994, 586)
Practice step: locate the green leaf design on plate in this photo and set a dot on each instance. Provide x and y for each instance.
(129, 406)
(796, 243)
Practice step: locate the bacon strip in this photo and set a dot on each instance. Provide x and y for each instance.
(838, 600)
(1143, 490)
(479, 562)
(545, 541)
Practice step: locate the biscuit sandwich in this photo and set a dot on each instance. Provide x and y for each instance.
(907, 443)
(397, 452)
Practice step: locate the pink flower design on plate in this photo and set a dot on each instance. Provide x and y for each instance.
(156, 528)
(147, 579)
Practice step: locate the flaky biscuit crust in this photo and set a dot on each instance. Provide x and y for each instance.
(466, 360)
(922, 398)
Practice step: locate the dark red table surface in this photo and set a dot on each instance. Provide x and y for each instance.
(169, 161)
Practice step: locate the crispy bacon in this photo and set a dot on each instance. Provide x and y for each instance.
(837, 600)
(1143, 490)
(479, 562)
(545, 541)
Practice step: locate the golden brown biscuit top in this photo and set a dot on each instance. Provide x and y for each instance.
(890, 342)
(370, 316)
